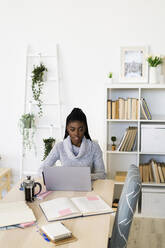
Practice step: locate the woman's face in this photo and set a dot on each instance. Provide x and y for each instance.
(76, 130)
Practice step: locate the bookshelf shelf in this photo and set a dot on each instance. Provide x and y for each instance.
(117, 120)
(154, 96)
(152, 153)
(120, 152)
(154, 184)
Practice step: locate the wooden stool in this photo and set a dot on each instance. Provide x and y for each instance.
(5, 176)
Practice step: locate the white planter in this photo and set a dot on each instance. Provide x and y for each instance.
(154, 75)
(110, 80)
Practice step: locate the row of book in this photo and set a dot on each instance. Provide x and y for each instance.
(152, 171)
(128, 142)
(127, 109)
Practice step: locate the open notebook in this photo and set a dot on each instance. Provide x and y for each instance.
(13, 213)
(64, 208)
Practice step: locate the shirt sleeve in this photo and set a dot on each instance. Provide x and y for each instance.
(98, 164)
(50, 160)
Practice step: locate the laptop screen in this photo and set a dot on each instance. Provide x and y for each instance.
(67, 178)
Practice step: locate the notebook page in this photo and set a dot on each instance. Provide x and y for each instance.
(59, 208)
(13, 213)
(56, 231)
(91, 205)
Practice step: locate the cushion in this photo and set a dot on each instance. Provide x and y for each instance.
(126, 208)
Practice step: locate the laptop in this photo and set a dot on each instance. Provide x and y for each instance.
(67, 178)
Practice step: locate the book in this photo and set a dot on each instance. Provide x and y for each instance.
(160, 173)
(134, 109)
(109, 109)
(163, 169)
(130, 131)
(125, 140)
(117, 109)
(125, 148)
(113, 109)
(155, 171)
(121, 108)
(120, 176)
(132, 139)
(64, 207)
(141, 171)
(151, 178)
(142, 110)
(121, 142)
(129, 106)
(13, 213)
(56, 231)
(137, 108)
(126, 110)
(146, 108)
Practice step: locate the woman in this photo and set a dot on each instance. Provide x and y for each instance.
(77, 148)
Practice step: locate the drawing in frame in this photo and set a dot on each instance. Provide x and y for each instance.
(134, 67)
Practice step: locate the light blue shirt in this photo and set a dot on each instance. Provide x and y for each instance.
(88, 154)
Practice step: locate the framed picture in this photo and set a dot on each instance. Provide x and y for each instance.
(134, 66)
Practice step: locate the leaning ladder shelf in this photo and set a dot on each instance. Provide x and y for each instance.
(48, 126)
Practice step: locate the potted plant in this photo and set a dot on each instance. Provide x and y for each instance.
(110, 77)
(38, 78)
(27, 129)
(49, 143)
(113, 139)
(155, 70)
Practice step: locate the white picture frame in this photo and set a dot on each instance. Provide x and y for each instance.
(134, 66)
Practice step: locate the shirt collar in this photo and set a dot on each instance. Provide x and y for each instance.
(84, 147)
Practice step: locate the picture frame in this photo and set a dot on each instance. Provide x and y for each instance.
(134, 66)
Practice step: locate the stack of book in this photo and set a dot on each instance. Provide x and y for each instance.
(128, 142)
(152, 171)
(144, 109)
(123, 109)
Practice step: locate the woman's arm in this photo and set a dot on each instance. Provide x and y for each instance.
(98, 164)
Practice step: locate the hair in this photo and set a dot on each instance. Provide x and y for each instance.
(77, 115)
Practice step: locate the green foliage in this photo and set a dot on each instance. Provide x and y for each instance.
(110, 75)
(113, 138)
(49, 143)
(27, 129)
(154, 61)
(37, 84)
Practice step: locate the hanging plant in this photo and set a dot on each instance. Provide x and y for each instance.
(49, 143)
(37, 84)
(27, 129)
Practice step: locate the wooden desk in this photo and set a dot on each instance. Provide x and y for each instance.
(91, 231)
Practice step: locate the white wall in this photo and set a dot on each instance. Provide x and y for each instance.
(90, 33)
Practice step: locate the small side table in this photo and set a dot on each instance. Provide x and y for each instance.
(5, 179)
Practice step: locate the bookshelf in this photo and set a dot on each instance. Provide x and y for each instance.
(155, 98)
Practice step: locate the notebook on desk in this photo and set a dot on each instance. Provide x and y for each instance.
(67, 178)
(65, 208)
(13, 213)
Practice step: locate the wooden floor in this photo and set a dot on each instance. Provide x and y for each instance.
(147, 233)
